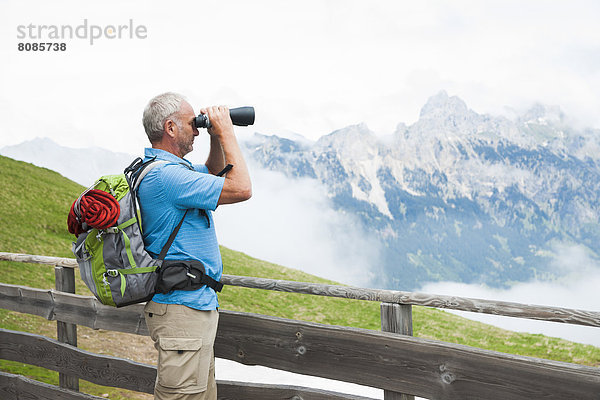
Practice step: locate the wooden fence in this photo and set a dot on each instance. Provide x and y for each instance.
(402, 365)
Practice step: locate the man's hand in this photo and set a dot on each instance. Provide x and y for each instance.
(224, 149)
(220, 121)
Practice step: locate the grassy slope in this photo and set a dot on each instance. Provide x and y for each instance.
(34, 203)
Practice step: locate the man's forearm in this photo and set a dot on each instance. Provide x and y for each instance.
(216, 157)
(238, 185)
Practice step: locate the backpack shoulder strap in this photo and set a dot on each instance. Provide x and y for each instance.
(138, 170)
(144, 171)
(167, 246)
(135, 172)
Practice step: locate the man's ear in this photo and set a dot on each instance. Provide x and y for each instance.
(170, 127)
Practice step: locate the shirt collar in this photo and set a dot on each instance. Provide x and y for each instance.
(150, 152)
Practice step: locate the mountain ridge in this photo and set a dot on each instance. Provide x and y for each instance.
(458, 195)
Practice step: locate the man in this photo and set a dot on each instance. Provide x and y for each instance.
(183, 324)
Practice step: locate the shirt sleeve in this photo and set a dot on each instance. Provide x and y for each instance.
(187, 189)
(201, 168)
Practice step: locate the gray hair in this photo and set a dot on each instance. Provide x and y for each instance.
(158, 110)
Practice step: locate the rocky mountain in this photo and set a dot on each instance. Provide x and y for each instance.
(458, 195)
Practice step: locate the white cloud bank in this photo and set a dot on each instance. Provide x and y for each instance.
(577, 289)
(291, 222)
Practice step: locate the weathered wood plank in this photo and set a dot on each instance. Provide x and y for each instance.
(504, 308)
(51, 354)
(17, 387)
(398, 363)
(509, 309)
(25, 300)
(227, 390)
(73, 309)
(64, 281)
(34, 259)
(396, 318)
(392, 362)
(115, 372)
(128, 319)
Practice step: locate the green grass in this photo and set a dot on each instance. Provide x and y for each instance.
(34, 203)
(34, 206)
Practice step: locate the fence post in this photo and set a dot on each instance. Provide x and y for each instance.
(396, 318)
(66, 333)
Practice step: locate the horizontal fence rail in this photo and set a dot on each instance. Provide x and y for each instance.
(103, 370)
(17, 387)
(115, 372)
(404, 364)
(503, 308)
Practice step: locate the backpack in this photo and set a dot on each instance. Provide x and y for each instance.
(112, 260)
(110, 251)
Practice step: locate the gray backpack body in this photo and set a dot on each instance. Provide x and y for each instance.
(113, 262)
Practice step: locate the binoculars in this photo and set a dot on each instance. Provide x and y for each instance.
(241, 116)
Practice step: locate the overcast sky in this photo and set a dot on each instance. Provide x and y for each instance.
(307, 66)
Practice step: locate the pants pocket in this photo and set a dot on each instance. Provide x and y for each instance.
(179, 364)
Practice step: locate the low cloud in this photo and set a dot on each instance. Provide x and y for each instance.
(292, 222)
(576, 288)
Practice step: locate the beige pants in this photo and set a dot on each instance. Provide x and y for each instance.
(184, 338)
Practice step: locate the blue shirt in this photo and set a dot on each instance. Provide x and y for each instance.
(164, 195)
